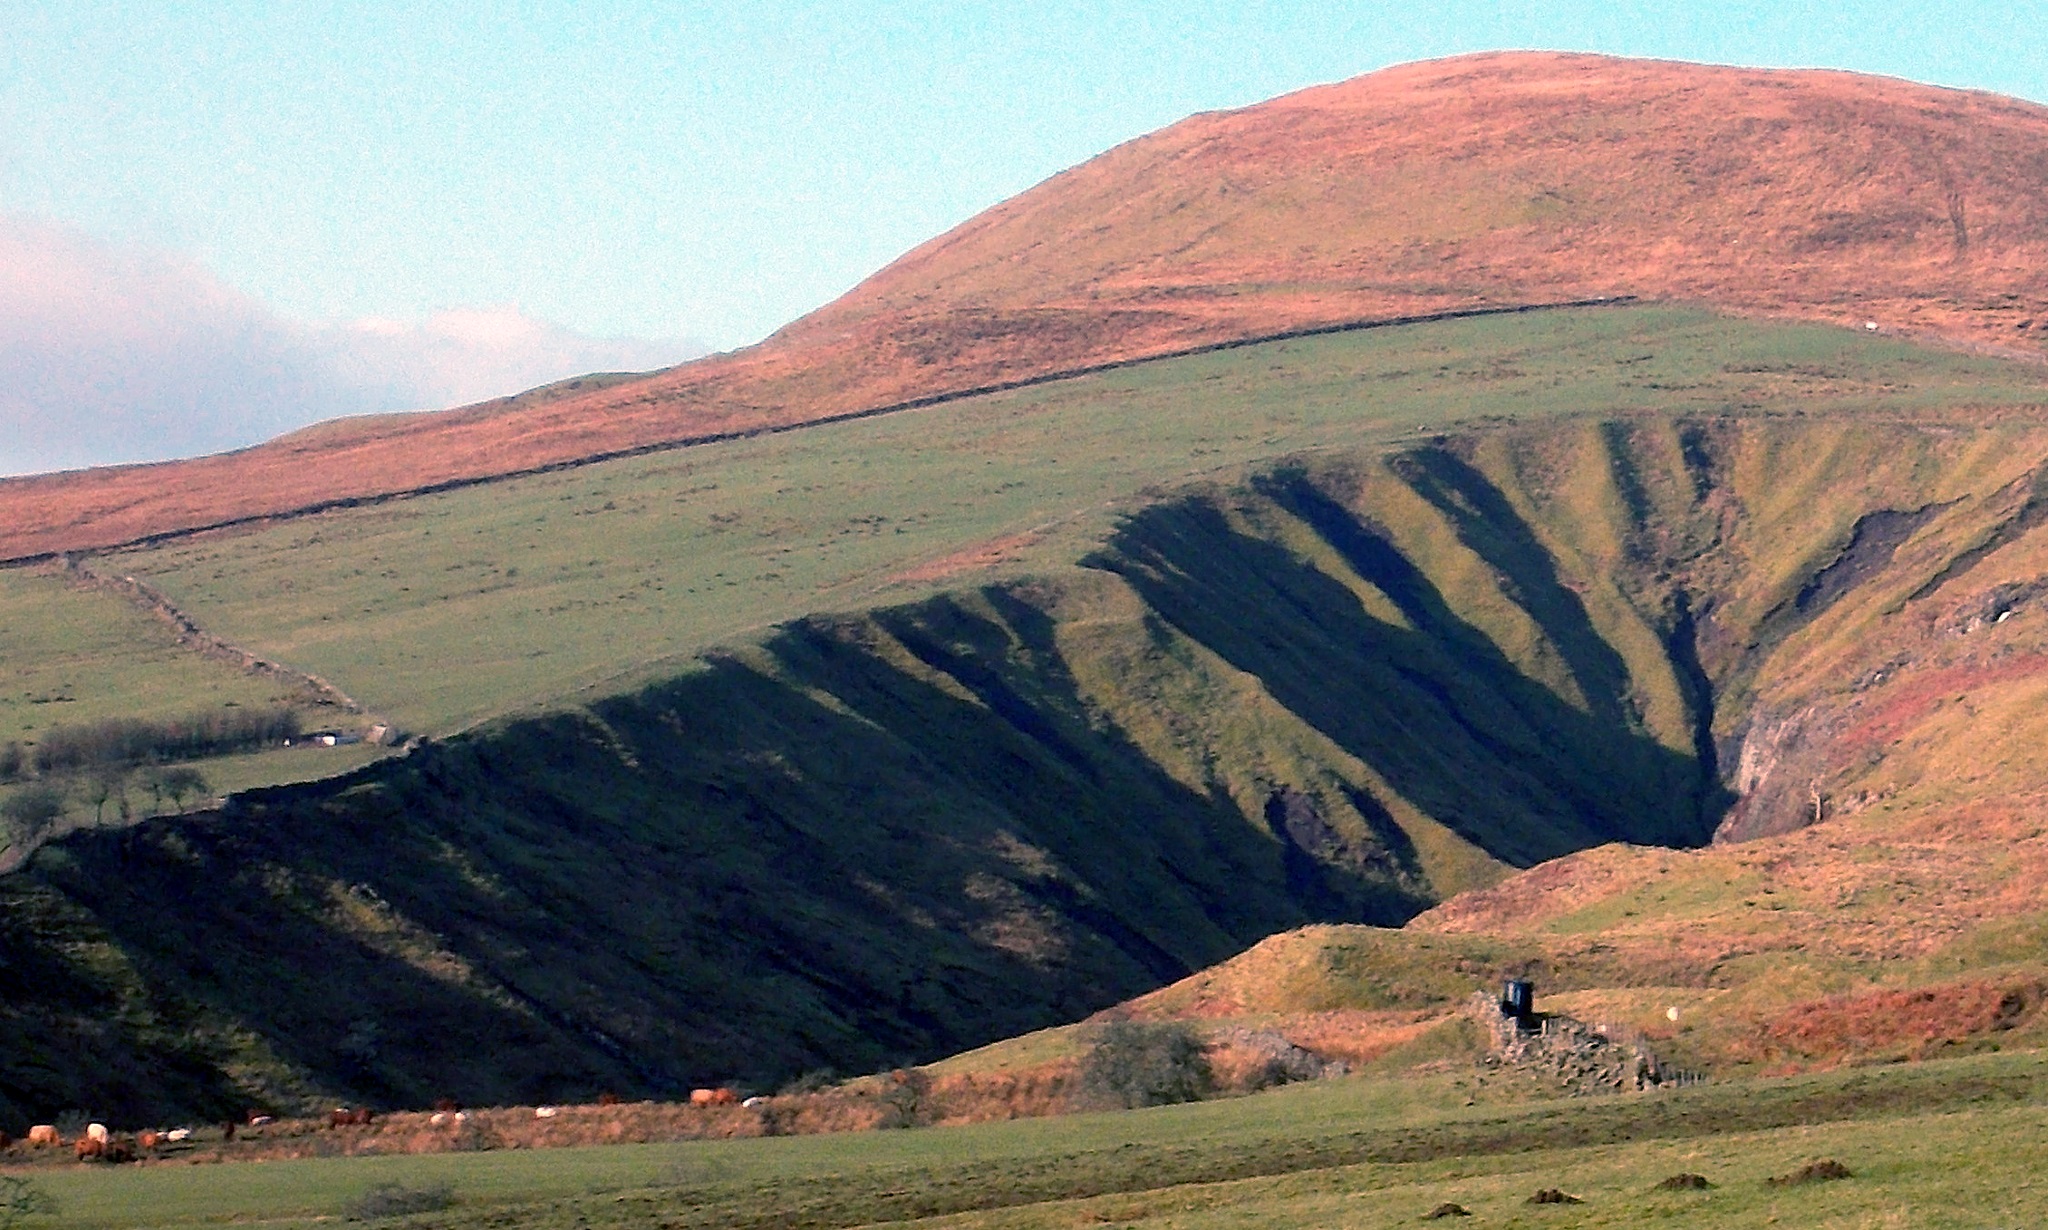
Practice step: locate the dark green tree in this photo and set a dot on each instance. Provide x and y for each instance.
(181, 783)
(1134, 1064)
(108, 784)
(31, 810)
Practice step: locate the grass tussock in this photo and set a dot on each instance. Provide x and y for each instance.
(1826, 1171)
(398, 1200)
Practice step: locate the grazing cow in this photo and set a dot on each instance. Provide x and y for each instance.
(227, 1130)
(97, 1131)
(608, 1098)
(149, 1140)
(258, 1119)
(110, 1151)
(546, 1112)
(6, 1142)
(92, 1149)
(713, 1097)
(447, 1105)
(342, 1116)
(178, 1136)
(44, 1134)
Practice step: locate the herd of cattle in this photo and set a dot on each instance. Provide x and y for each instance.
(98, 1144)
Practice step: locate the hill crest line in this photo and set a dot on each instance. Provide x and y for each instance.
(776, 429)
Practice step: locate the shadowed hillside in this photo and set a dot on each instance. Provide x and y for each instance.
(1343, 689)
(1481, 181)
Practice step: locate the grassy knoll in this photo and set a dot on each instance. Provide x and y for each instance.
(1942, 1143)
(445, 610)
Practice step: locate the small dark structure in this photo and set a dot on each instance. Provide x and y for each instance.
(1518, 1000)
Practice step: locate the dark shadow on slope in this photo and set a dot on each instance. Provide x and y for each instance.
(1873, 542)
(1875, 539)
(1435, 708)
(1487, 523)
(738, 874)
(228, 927)
(1369, 876)
(1682, 646)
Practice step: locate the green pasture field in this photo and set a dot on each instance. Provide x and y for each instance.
(71, 655)
(1946, 1143)
(443, 611)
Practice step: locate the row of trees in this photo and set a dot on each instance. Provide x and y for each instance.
(125, 742)
(29, 812)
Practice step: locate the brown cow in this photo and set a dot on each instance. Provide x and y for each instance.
(109, 1151)
(148, 1140)
(714, 1097)
(342, 1116)
(446, 1105)
(608, 1098)
(6, 1142)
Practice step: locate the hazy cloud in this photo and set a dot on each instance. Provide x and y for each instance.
(111, 354)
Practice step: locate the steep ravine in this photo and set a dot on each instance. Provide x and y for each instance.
(1340, 690)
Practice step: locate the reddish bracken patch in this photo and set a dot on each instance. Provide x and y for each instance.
(1891, 1022)
(1907, 705)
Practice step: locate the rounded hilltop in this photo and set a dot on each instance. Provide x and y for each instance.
(1525, 176)
(1485, 180)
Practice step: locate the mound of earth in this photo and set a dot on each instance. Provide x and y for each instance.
(1483, 181)
(1813, 1172)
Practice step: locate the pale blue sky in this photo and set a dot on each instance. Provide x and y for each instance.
(714, 171)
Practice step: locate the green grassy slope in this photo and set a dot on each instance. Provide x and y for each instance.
(446, 610)
(1339, 685)
(76, 655)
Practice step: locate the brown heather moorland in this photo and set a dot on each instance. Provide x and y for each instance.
(1469, 183)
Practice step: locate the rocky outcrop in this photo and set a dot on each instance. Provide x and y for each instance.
(1582, 1058)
